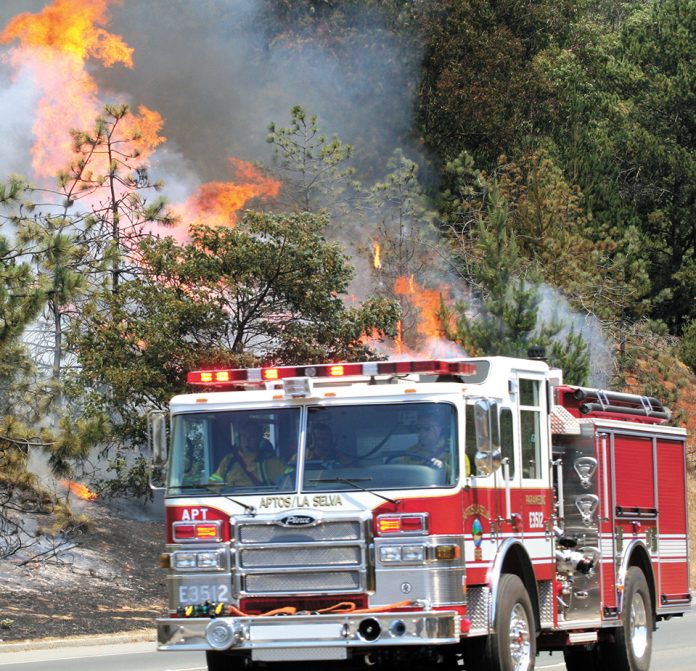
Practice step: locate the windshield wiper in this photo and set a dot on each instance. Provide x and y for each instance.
(353, 483)
(211, 487)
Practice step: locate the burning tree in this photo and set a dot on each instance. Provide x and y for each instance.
(81, 236)
(75, 242)
(110, 175)
(408, 245)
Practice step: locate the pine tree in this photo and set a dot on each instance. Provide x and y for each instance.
(505, 320)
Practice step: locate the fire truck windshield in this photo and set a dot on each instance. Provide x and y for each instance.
(398, 446)
(323, 448)
(245, 451)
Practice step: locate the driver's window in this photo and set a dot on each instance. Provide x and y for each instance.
(470, 438)
(507, 439)
(530, 428)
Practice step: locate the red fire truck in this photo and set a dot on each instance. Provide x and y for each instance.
(472, 511)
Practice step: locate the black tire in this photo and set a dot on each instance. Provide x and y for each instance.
(580, 658)
(473, 652)
(512, 646)
(631, 648)
(219, 661)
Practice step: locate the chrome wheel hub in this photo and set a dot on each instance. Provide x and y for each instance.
(638, 626)
(520, 641)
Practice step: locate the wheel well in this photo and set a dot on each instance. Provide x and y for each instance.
(639, 558)
(517, 563)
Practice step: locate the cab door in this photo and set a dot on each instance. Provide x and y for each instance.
(535, 499)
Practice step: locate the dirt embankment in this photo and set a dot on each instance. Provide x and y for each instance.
(109, 581)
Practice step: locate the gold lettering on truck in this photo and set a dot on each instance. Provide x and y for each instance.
(535, 499)
(301, 501)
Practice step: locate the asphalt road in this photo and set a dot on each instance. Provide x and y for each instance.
(674, 650)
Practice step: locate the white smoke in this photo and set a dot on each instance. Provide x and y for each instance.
(18, 98)
(554, 308)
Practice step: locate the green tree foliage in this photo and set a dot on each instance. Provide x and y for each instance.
(505, 319)
(267, 291)
(622, 124)
(605, 277)
(21, 299)
(659, 154)
(479, 91)
(313, 168)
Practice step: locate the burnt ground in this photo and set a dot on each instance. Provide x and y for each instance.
(105, 580)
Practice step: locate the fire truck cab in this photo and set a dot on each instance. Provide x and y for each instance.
(443, 510)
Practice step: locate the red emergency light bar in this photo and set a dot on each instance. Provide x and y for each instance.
(334, 370)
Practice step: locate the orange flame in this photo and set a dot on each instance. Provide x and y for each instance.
(218, 203)
(54, 46)
(143, 130)
(427, 303)
(80, 490)
(376, 258)
(399, 338)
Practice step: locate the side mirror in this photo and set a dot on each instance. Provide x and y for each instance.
(157, 442)
(488, 453)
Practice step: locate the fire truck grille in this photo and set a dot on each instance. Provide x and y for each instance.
(328, 531)
(292, 557)
(325, 557)
(282, 583)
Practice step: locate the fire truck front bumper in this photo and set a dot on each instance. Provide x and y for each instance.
(309, 637)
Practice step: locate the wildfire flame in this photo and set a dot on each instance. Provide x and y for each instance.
(80, 490)
(427, 303)
(143, 131)
(54, 46)
(376, 259)
(218, 203)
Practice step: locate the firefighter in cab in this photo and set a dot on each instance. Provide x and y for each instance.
(433, 447)
(246, 465)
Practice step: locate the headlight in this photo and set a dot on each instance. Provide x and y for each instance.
(390, 553)
(398, 554)
(184, 560)
(413, 553)
(208, 559)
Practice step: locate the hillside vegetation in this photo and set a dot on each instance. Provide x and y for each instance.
(550, 150)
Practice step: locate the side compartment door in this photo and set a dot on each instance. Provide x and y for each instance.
(672, 539)
(635, 496)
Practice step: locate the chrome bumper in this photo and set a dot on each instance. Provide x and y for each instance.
(308, 637)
